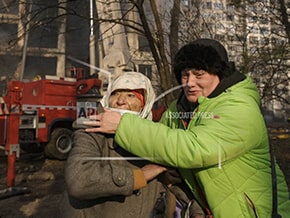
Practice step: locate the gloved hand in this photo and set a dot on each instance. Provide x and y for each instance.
(170, 177)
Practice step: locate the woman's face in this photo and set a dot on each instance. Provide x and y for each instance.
(198, 83)
(125, 99)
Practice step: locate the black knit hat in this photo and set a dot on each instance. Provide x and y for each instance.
(202, 54)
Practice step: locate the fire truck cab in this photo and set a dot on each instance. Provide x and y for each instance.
(39, 114)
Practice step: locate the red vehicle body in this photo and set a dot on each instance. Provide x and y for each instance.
(39, 115)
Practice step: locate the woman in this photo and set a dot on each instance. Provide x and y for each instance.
(102, 179)
(214, 133)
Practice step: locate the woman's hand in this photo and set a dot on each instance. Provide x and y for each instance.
(170, 177)
(106, 122)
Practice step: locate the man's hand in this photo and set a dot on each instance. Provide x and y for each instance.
(150, 171)
(106, 122)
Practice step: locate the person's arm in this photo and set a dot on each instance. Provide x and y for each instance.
(88, 177)
(233, 129)
(236, 126)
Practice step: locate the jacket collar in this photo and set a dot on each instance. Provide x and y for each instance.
(184, 106)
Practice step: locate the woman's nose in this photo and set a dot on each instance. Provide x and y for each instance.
(191, 80)
(121, 100)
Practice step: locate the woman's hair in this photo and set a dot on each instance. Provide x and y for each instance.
(203, 54)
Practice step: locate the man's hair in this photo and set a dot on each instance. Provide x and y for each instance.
(201, 56)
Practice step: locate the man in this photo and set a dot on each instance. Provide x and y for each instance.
(102, 179)
(214, 133)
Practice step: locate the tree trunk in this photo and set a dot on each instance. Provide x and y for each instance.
(284, 18)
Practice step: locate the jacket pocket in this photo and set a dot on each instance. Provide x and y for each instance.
(251, 208)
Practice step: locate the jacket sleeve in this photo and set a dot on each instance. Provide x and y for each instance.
(233, 129)
(88, 176)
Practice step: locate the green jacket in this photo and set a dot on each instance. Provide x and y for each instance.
(225, 148)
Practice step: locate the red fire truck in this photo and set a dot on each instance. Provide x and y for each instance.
(39, 115)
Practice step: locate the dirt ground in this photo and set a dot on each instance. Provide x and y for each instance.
(41, 179)
(38, 187)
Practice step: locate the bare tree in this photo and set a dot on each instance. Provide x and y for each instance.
(266, 57)
(261, 48)
(153, 30)
(284, 18)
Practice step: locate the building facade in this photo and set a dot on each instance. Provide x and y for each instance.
(39, 37)
(256, 41)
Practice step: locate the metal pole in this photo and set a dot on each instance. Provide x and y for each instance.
(26, 35)
(92, 40)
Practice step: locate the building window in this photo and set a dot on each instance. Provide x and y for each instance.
(146, 70)
(264, 20)
(230, 8)
(184, 2)
(254, 40)
(265, 30)
(207, 5)
(231, 38)
(143, 43)
(264, 41)
(252, 19)
(219, 37)
(218, 6)
(230, 17)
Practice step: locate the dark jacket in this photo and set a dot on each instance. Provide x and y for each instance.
(103, 188)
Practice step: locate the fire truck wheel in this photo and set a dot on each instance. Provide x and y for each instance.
(60, 144)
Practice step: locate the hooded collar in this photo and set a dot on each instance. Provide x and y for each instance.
(226, 83)
(132, 81)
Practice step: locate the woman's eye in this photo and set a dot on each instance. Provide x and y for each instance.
(184, 75)
(131, 95)
(199, 74)
(115, 94)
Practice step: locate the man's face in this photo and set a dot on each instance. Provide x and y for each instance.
(198, 83)
(125, 99)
